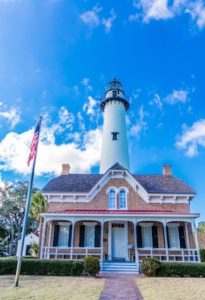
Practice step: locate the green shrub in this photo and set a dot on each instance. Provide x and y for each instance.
(173, 269)
(202, 254)
(91, 265)
(77, 268)
(42, 267)
(150, 266)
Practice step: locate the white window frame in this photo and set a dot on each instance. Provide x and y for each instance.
(108, 197)
(63, 225)
(176, 227)
(126, 192)
(89, 225)
(143, 226)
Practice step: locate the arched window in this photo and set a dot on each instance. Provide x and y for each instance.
(122, 199)
(112, 199)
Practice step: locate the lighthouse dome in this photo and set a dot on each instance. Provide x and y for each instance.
(114, 91)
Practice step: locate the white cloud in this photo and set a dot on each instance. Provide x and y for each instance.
(156, 101)
(66, 118)
(81, 122)
(192, 138)
(155, 9)
(163, 9)
(141, 123)
(108, 22)
(91, 17)
(89, 107)
(197, 11)
(12, 115)
(86, 83)
(177, 96)
(14, 150)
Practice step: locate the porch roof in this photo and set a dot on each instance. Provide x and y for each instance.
(119, 212)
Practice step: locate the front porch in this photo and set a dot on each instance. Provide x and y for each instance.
(120, 240)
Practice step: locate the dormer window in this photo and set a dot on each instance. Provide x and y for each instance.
(115, 135)
(112, 199)
(122, 199)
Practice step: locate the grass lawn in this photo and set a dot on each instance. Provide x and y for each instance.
(51, 288)
(172, 288)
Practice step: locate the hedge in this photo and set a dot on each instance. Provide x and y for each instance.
(91, 265)
(42, 267)
(152, 267)
(171, 269)
(202, 254)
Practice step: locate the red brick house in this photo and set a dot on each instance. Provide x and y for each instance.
(118, 216)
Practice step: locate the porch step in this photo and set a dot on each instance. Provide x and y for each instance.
(120, 267)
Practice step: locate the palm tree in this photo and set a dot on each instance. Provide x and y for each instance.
(38, 206)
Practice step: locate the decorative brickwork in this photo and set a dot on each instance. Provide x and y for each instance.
(135, 202)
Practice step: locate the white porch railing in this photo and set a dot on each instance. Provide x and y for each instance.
(163, 254)
(68, 252)
(175, 255)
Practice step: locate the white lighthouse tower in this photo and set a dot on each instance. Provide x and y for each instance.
(114, 144)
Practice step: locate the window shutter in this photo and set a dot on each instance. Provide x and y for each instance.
(70, 235)
(139, 236)
(97, 235)
(155, 237)
(167, 230)
(82, 235)
(56, 235)
(182, 237)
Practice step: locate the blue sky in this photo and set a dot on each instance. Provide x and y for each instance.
(56, 57)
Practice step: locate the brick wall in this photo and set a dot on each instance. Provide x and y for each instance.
(135, 202)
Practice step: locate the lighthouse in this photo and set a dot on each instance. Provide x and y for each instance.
(114, 143)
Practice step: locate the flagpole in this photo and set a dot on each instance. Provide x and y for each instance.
(28, 201)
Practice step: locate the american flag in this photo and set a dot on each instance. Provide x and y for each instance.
(34, 144)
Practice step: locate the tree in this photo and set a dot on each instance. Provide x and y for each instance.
(201, 227)
(34, 249)
(13, 202)
(38, 206)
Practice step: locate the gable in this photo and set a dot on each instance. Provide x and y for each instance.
(151, 188)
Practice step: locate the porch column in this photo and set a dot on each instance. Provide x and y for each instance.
(109, 240)
(43, 238)
(165, 240)
(187, 240)
(196, 240)
(72, 239)
(135, 242)
(49, 240)
(101, 242)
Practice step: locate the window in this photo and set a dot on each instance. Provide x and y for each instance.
(112, 199)
(89, 236)
(173, 236)
(146, 236)
(122, 199)
(114, 136)
(114, 94)
(63, 236)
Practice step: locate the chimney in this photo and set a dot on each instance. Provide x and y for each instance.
(167, 170)
(65, 169)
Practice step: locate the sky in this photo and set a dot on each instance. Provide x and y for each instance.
(56, 58)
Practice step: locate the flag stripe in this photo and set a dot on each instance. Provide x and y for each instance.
(34, 143)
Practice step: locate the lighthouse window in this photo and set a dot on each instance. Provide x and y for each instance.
(114, 93)
(115, 136)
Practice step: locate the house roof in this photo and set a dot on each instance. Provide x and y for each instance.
(83, 183)
(163, 184)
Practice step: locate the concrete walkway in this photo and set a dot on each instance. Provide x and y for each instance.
(120, 286)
